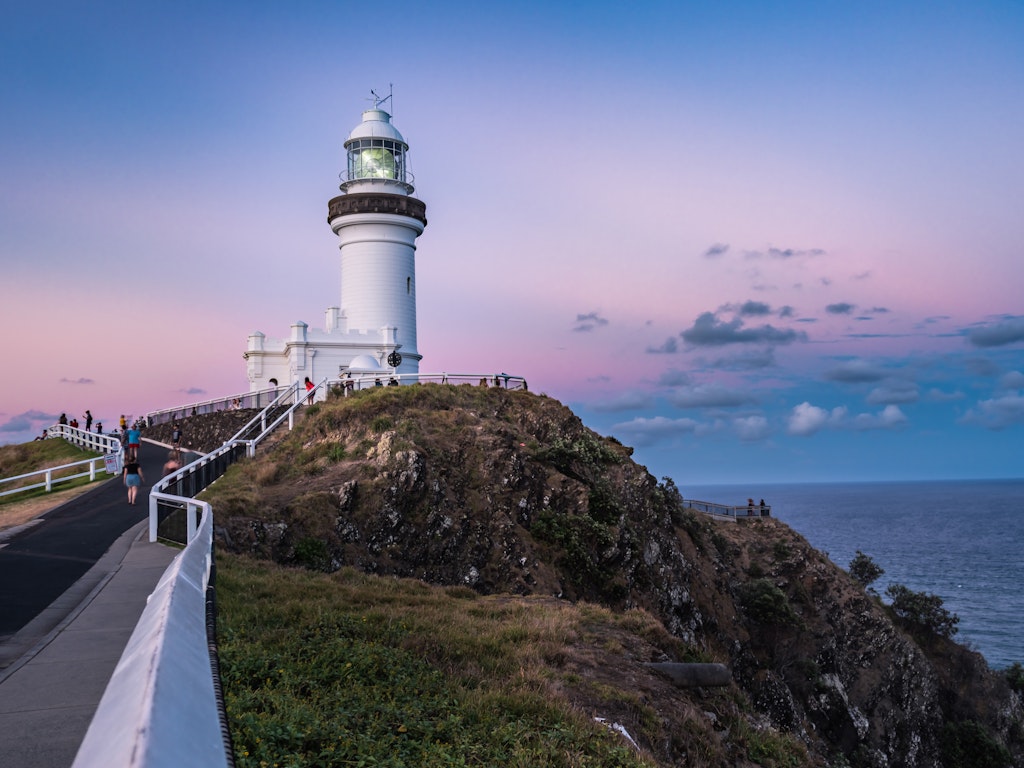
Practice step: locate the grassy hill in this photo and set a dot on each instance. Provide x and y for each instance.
(498, 577)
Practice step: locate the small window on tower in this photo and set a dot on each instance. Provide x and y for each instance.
(408, 285)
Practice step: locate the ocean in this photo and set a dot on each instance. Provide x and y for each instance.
(960, 540)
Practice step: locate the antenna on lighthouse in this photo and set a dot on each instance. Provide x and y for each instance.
(379, 100)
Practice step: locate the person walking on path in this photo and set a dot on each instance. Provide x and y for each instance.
(134, 435)
(309, 388)
(133, 478)
(176, 436)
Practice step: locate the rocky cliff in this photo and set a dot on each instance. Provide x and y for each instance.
(508, 492)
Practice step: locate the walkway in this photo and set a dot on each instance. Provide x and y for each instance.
(72, 588)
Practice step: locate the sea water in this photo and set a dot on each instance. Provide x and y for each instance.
(960, 540)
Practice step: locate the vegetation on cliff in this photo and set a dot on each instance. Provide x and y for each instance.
(507, 506)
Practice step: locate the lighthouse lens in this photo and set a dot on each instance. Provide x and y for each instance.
(377, 163)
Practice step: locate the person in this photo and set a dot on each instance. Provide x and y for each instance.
(88, 420)
(762, 507)
(42, 436)
(750, 507)
(176, 436)
(124, 423)
(173, 463)
(134, 435)
(73, 424)
(392, 382)
(309, 388)
(133, 478)
(63, 419)
(99, 427)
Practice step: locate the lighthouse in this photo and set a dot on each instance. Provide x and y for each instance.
(377, 220)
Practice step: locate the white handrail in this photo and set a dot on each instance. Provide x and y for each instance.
(159, 709)
(88, 440)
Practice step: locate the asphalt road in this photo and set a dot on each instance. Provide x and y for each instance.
(38, 564)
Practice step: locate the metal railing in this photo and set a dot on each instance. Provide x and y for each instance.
(111, 461)
(384, 378)
(726, 511)
(259, 399)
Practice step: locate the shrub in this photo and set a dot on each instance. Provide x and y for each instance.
(969, 745)
(922, 610)
(864, 569)
(381, 424)
(767, 604)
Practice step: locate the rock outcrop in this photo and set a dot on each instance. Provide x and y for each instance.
(508, 492)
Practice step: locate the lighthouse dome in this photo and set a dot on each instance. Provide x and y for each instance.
(376, 125)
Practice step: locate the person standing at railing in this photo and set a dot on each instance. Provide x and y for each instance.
(309, 388)
(133, 478)
(88, 420)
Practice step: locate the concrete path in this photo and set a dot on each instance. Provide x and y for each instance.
(72, 588)
(49, 695)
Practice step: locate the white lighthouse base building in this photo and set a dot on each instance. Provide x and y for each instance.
(318, 354)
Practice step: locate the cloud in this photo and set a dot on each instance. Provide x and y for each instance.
(938, 396)
(842, 308)
(644, 431)
(716, 250)
(785, 253)
(891, 417)
(894, 392)
(28, 421)
(806, 419)
(589, 322)
(1010, 331)
(81, 380)
(791, 253)
(750, 428)
(670, 347)
(626, 401)
(708, 330)
(711, 396)
(855, 372)
(982, 366)
(673, 378)
(754, 309)
(997, 413)
(1011, 380)
(194, 391)
(786, 311)
(752, 361)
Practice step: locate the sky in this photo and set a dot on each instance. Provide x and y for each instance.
(758, 242)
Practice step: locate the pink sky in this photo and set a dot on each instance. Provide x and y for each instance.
(826, 186)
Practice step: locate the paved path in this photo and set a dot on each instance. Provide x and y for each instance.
(72, 588)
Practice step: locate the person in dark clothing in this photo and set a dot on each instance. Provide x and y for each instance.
(133, 478)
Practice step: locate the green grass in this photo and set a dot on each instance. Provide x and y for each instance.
(354, 670)
(23, 458)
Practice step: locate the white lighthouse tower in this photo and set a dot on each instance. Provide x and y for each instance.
(377, 222)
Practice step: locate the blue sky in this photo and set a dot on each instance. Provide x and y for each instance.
(758, 242)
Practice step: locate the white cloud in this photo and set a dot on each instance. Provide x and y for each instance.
(751, 428)
(997, 413)
(644, 431)
(806, 419)
(890, 417)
